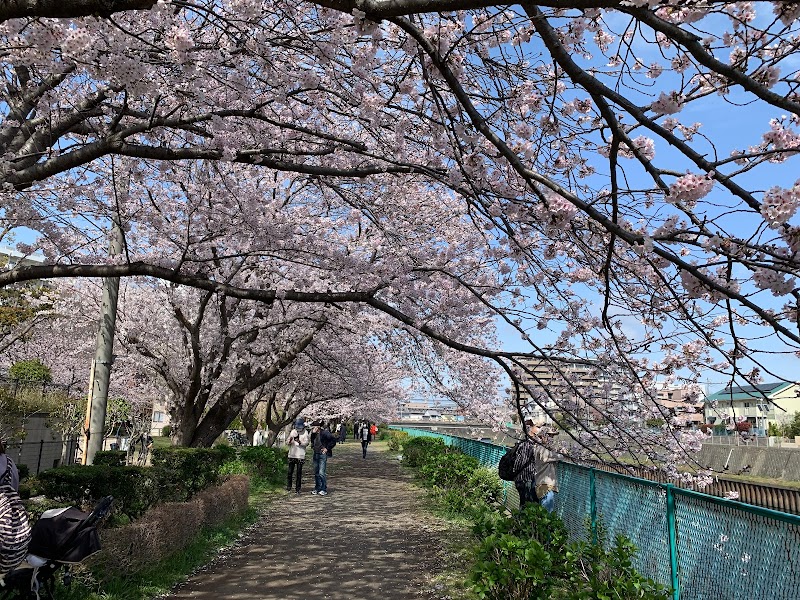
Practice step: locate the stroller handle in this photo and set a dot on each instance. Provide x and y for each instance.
(100, 511)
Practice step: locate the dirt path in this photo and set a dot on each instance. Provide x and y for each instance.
(369, 538)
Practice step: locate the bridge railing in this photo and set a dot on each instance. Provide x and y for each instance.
(701, 546)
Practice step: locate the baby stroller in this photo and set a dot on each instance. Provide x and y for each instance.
(61, 538)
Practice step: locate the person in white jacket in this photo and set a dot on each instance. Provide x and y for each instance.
(297, 441)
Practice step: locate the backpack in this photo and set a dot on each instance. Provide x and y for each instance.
(15, 531)
(505, 468)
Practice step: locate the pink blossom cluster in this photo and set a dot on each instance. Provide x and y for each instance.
(780, 204)
(560, 211)
(774, 280)
(667, 103)
(690, 188)
(780, 137)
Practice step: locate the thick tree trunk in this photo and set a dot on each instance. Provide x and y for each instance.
(272, 436)
(201, 432)
(250, 427)
(184, 425)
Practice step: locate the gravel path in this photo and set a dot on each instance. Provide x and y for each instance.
(369, 538)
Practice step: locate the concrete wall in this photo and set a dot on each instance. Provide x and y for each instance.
(42, 448)
(774, 463)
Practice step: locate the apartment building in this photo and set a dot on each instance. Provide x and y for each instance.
(760, 405)
(585, 388)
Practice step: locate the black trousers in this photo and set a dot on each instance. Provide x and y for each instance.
(364, 444)
(295, 462)
(527, 492)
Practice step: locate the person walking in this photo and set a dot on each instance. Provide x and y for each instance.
(366, 439)
(297, 441)
(322, 442)
(342, 432)
(525, 466)
(373, 429)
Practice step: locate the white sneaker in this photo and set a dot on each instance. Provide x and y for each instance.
(315, 492)
(323, 493)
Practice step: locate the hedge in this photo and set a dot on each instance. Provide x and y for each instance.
(177, 474)
(457, 480)
(169, 527)
(185, 471)
(135, 489)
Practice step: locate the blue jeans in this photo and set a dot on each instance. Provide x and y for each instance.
(549, 501)
(320, 472)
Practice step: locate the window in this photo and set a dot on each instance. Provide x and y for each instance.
(158, 416)
(747, 405)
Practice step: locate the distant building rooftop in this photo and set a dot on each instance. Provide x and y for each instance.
(749, 392)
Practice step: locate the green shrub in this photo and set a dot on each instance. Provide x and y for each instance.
(166, 431)
(419, 450)
(268, 464)
(528, 555)
(24, 471)
(112, 458)
(448, 469)
(30, 371)
(183, 472)
(29, 487)
(135, 489)
(396, 440)
(483, 485)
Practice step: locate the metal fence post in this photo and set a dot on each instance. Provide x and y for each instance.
(39, 460)
(593, 505)
(673, 541)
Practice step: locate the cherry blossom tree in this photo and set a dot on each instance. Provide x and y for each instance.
(341, 375)
(602, 222)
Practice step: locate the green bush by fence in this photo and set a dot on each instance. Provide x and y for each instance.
(458, 482)
(177, 474)
(112, 458)
(529, 555)
(396, 440)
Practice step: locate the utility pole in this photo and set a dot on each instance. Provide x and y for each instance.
(94, 426)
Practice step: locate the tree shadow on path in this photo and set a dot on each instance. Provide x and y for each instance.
(369, 538)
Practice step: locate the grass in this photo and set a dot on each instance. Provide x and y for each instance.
(161, 441)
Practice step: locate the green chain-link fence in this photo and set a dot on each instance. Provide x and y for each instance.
(701, 546)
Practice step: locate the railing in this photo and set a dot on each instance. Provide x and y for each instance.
(41, 455)
(701, 546)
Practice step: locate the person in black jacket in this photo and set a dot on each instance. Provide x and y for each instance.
(322, 441)
(525, 466)
(366, 438)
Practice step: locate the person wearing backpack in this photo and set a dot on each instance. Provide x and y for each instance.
(525, 466)
(15, 531)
